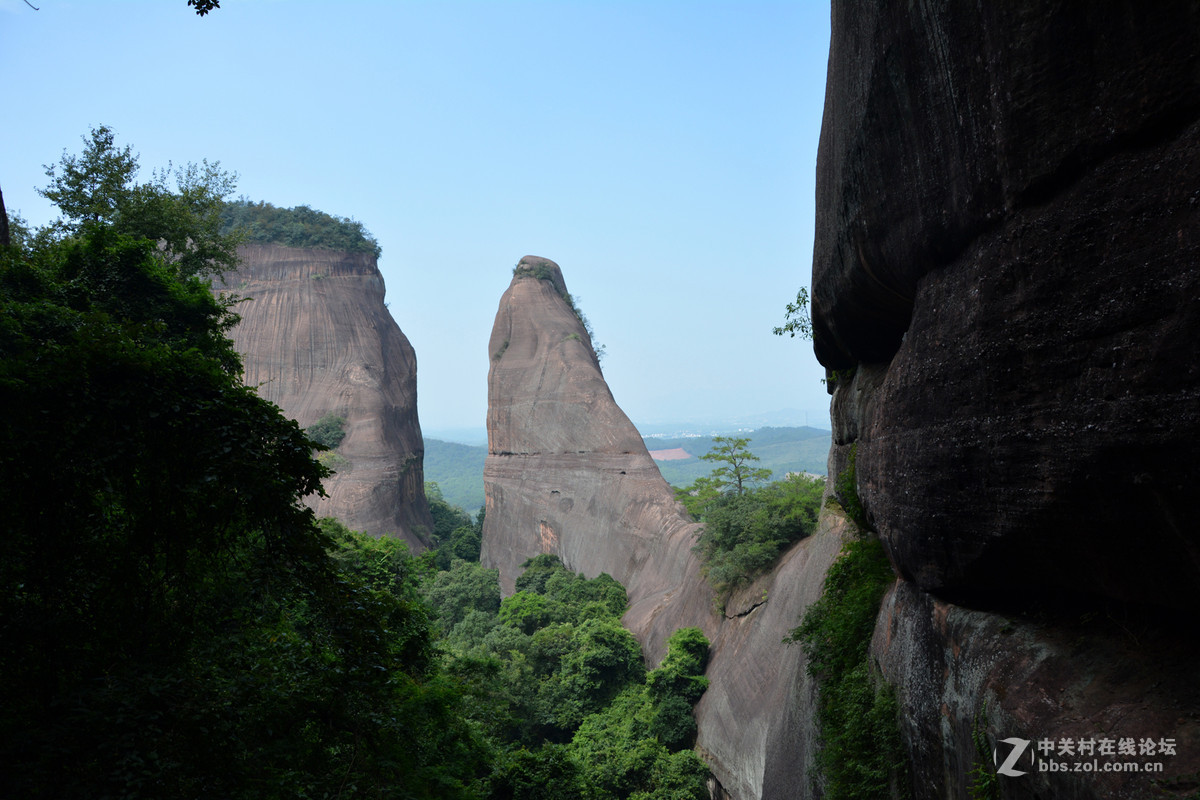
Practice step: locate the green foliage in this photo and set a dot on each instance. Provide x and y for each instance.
(796, 319)
(179, 209)
(454, 534)
(454, 593)
(985, 784)
(559, 686)
(835, 376)
(540, 271)
(736, 475)
(861, 753)
(301, 226)
(333, 462)
(744, 534)
(846, 491)
(639, 746)
(175, 623)
(328, 431)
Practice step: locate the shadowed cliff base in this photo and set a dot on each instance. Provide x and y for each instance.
(1005, 287)
(568, 474)
(316, 339)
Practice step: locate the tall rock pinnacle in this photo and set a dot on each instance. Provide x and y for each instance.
(568, 474)
(316, 339)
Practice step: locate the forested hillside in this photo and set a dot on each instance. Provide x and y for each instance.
(457, 469)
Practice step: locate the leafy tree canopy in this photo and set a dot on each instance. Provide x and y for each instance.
(175, 623)
(746, 528)
(178, 209)
(301, 226)
(796, 321)
(736, 473)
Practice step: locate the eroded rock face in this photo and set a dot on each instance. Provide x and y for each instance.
(316, 339)
(1100, 674)
(568, 474)
(1009, 224)
(1008, 259)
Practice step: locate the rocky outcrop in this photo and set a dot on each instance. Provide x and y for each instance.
(1007, 260)
(1009, 221)
(568, 474)
(316, 338)
(1099, 674)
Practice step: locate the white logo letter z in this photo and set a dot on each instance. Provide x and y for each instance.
(1018, 747)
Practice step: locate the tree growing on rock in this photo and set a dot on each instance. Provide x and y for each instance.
(737, 473)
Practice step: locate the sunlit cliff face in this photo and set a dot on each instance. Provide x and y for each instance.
(316, 339)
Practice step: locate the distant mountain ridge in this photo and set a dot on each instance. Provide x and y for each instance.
(457, 468)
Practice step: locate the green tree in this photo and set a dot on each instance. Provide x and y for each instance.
(467, 586)
(175, 624)
(744, 534)
(301, 226)
(737, 474)
(177, 209)
(796, 319)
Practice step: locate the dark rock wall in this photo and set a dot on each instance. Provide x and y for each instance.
(316, 338)
(1009, 203)
(1008, 257)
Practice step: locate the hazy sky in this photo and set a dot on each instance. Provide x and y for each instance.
(663, 153)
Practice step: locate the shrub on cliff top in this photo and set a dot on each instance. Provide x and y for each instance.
(301, 226)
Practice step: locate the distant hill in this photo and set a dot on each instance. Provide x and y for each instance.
(458, 468)
(781, 450)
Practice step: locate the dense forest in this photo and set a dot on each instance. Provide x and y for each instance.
(177, 624)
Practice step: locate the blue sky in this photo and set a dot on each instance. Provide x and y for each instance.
(663, 153)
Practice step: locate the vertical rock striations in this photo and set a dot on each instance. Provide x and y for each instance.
(316, 339)
(1007, 257)
(568, 474)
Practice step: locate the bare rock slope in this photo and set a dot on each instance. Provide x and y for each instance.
(316, 339)
(1008, 259)
(568, 474)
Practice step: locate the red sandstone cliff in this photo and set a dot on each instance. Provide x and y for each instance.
(568, 474)
(316, 338)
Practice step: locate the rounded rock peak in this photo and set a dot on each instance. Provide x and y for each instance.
(543, 269)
